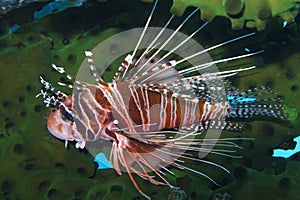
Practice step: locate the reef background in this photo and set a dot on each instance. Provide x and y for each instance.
(35, 165)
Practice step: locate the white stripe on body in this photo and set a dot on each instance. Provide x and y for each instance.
(119, 106)
(146, 127)
(136, 99)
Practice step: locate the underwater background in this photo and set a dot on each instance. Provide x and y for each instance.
(35, 34)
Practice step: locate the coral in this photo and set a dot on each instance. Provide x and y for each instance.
(252, 13)
(8, 5)
(177, 194)
(251, 184)
(220, 196)
(292, 113)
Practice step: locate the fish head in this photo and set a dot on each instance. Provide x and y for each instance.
(60, 122)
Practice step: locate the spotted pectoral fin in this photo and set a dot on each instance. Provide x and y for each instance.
(149, 154)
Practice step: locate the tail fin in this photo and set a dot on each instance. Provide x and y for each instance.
(255, 103)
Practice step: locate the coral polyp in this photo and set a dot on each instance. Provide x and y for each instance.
(252, 14)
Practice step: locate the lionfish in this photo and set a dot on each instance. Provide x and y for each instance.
(155, 114)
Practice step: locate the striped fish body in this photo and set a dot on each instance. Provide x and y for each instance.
(140, 109)
(104, 112)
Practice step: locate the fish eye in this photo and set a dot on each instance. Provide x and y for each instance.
(68, 116)
(65, 114)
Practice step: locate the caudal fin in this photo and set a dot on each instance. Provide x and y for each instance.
(256, 103)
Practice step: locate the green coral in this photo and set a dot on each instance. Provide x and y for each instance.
(252, 13)
(292, 114)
